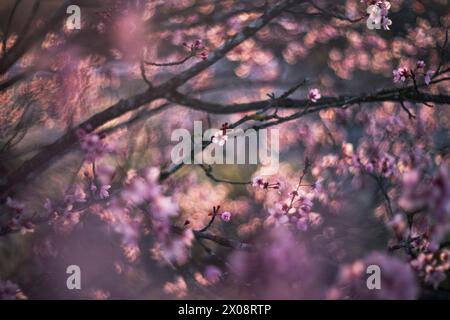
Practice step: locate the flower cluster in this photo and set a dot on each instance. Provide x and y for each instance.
(402, 74)
(432, 267)
(65, 216)
(198, 49)
(295, 207)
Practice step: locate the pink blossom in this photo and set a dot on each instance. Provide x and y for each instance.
(219, 138)
(401, 75)
(104, 193)
(139, 190)
(163, 207)
(123, 224)
(277, 215)
(198, 44)
(314, 95)
(212, 274)
(258, 182)
(226, 216)
(302, 224)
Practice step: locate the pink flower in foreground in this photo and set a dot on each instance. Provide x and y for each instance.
(397, 279)
(314, 94)
(279, 268)
(401, 75)
(212, 274)
(226, 216)
(198, 48)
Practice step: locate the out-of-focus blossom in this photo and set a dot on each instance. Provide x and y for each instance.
(420, 194)
(45, 248)
(397, 280)
(428, 75)
(440, 194)
(174, 249)
(93, 145)
(273, 270)
(10, 291)
(162, 207)
(178, 288)
(420, 64)
(398, 224)
(99, 294)
(302, 224)
(212, 274)
(65, 222)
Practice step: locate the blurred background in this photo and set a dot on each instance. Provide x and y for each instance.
(69, 75)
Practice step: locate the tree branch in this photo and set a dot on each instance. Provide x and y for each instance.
(41, 160)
